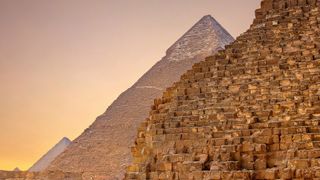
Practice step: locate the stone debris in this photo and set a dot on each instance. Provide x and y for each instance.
(252, 111)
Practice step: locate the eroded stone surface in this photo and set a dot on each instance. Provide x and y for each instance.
(103, 150)
(250, 112)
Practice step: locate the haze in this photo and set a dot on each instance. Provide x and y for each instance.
(63, 62)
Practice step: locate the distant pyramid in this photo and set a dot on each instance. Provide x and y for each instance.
(45, 160)
(16, 169)
(103, 150)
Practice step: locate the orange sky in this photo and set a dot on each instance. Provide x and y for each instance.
(63, 62)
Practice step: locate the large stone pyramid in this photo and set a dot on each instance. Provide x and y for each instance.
(103, 150)
(250, 112)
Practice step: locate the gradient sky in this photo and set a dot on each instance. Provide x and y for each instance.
(62, 62)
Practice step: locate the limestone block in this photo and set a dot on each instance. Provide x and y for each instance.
(299, 164)
(247, 147)
(286, 173)
(165, 166)
(260, 164)
(212, 175)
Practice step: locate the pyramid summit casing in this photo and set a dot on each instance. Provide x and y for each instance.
(103, 150)
(250, 112)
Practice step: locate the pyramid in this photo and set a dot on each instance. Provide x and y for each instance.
(252, 111)
(103, 150)
(16, 169)
(46, 159)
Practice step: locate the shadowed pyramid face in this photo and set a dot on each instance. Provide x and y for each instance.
(103, 149)
(250, 112)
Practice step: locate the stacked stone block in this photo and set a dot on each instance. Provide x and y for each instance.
(250, 112)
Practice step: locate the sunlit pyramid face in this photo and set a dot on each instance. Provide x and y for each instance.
(249, 112)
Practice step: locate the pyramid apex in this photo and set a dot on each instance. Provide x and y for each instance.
(209, 22)
(208, 18)
(16, 169)
(65, 139)
(206, 29)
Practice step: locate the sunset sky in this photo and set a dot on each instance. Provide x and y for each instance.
(63, 62)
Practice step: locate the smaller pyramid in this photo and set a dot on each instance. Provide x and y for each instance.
(16, 169)
(46, 159)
